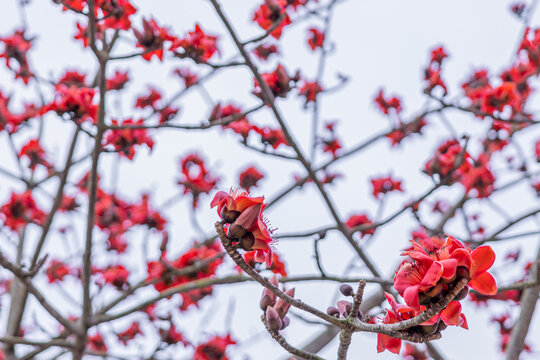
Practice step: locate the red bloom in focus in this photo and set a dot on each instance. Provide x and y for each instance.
(214, 349)
(250, 177)
(316, 38)
(384, 185)
(125, 140)
(56, 271)
(129, 334)
(359, 220)
(196, 179)
(271, 12)
(389, 103)
(118, 81)
(21, 210)
(244, 222)
(396, 314)
(436, 263)
(35, 153)
(310, 90)
(196, 45)
(15, 48)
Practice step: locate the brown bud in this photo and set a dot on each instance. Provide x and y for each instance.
(360, 315)
(332, 311)
(236, 231)
(229, 215)
(247, 241)
(273, 319)
(346, 290)
(462, 294)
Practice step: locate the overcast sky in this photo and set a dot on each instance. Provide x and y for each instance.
(377, 44)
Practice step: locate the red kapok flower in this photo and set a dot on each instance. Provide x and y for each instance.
(214, 349)
(15, 48)
(244, 222)
(359, 220)
(21, 210)
(384, 185)
(196, 179)
(250, 177)
(316, 38)
(196, 45)
(385, 105)
(35, 153)
(125, 140)
(269, 13)
(129, 334)
(118, 81)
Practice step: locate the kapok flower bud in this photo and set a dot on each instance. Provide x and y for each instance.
(360, 315)
(285, 322)
(266, 301)
(332, 311)
(268, 298)
(236, 231)
(273, 319)
(346, 290)
(229, 216)
(344, 308)
(247, 241)
(281, 306)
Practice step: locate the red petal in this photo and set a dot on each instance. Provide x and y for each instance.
(386, 342)
(218, 198)
(449, 268)
(432, 276)
(463, 257)
(411, 296)
(484, 284)
(482, 259)
(463, 322)
(451, 315)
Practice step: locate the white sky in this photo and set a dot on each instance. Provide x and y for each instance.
(378, 44)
